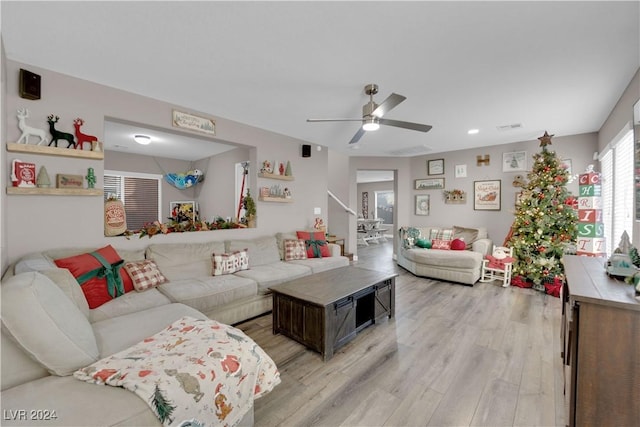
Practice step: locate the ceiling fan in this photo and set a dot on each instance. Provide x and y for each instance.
(372, 115)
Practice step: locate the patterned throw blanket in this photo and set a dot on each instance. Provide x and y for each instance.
(195, 372)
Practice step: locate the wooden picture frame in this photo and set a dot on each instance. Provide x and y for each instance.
(422, 204)
(487, 195)
(429, 184)
(435, 167)
(514, 161)
(183, 210)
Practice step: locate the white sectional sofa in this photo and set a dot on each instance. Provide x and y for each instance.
(461, 266)
(43, 291)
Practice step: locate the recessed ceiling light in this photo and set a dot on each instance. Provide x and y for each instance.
(473, 131)
(142, 139)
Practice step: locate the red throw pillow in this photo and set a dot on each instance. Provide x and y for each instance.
(458, 245)
(441, 244)
(96, 288)
(316, 242)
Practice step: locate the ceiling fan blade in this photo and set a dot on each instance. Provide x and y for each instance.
(333, 120)
(388, 104)
(406, 125)
(357, 136)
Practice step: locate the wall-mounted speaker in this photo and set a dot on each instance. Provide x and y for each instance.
(306, 150)
(29, 85)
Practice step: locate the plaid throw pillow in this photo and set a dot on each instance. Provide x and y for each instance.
(441, 234)
(144, 274)
(294, 249)
(230, 263)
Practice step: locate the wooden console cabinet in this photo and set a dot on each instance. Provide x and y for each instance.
(601, 346)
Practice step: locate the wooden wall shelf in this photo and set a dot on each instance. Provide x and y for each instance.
(275, 199)
(274, 176)
(35, 191)
(54, 151)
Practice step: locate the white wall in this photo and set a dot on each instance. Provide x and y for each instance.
(338, 218)
(36, 223)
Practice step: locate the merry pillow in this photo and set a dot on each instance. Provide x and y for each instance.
(229, 263)
(100, 275)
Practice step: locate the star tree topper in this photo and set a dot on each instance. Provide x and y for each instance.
(545, 139)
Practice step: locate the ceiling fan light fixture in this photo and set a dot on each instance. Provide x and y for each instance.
(371, 124)
(142, 139)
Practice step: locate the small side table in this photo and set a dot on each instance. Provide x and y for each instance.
(338, 241)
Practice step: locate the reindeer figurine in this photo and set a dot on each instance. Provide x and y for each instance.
(81, 137)
(56, 134)
(28, 131)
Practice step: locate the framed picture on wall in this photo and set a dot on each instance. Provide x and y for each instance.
(435, 167)
(184, 211)
(566, 164)
(486, 195)
(429, 184)
(514, 161)
(461, 171)
(422, 204)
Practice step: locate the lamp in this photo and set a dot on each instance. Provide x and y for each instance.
(142, 139)
(370, 123)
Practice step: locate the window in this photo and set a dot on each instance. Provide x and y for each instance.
(384, 206)
(140, 193)
(617, 190)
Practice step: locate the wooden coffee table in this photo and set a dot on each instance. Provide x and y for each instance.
(325, 310)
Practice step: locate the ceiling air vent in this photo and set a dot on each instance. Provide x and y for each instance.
(510, 127)
(411, 151)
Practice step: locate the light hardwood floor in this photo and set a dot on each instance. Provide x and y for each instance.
(453, 355)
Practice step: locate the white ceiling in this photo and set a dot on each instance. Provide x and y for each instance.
(556, 66)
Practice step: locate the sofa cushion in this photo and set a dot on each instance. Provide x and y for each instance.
(262, 250)
(179, 261)
(294, 249)
(440, 234)
(207, 292)
(69, 285)
(97, 288)
(229, 263)
(64, 396)
(323, 264)
(46, 324)
(447, 259)
(128, 303)
(468, 235)
(144, 274)
(119, 333)
(274, 273)
(316, 243)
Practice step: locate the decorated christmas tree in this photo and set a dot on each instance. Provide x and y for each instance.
(545, 222)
